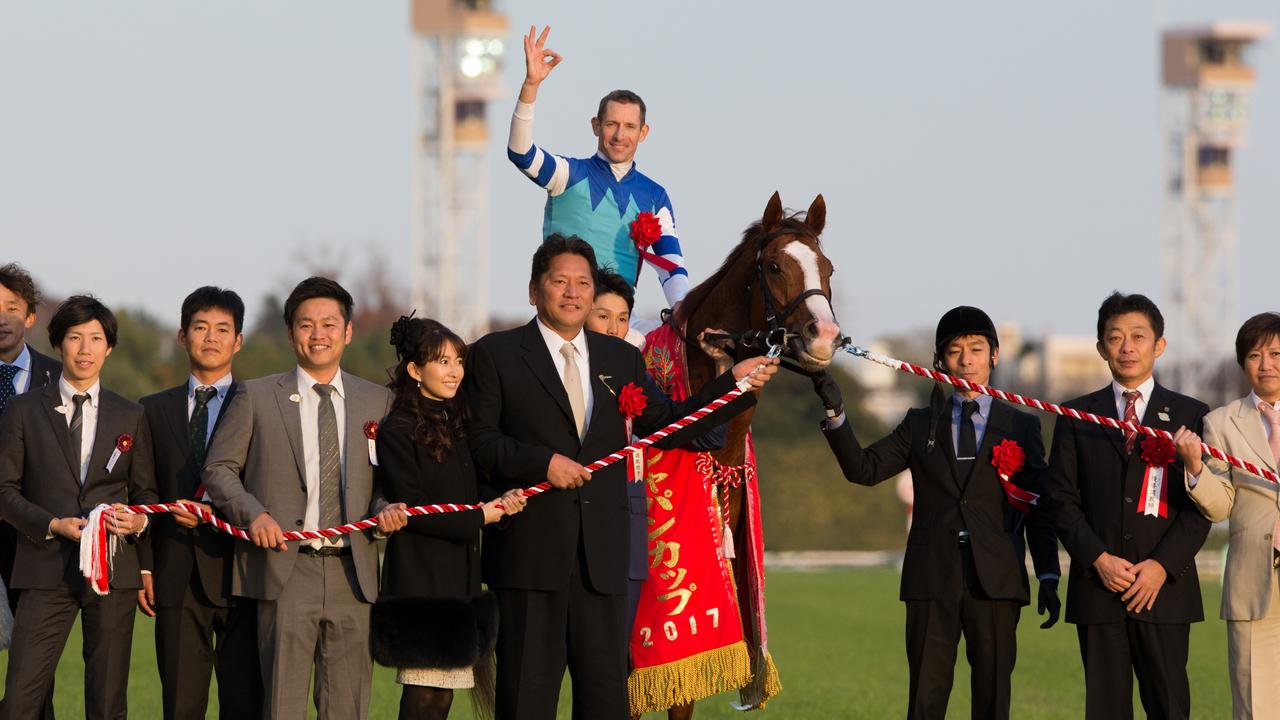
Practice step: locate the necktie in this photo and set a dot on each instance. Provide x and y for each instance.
(967, 447)
(1131, 398)
(200, 423)
(330, 459)
(7, 374)
(1272, 417)
(573, 387)
(76, 428)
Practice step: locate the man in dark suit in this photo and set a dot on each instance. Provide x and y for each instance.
(1132, 533)
(965, 567)
(544, 398)
(63, 451)
(22, 369)
(186, 567)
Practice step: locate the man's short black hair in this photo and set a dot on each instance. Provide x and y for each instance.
(317, 287)
(626, 97)
(608, 281)
(78, 310)
(210, 298)
(1257, 330)
(1118, 303)
(18, 280)
(557, 244)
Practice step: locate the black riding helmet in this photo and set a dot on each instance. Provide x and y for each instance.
(961, 321)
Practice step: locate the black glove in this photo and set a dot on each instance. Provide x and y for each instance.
(1048, 600)
(829, 392)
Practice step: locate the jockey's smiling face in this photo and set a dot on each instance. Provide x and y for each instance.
(564, 293)
(620, 131)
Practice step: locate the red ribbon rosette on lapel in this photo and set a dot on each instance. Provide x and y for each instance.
(371, 436)
(1158, 453)
(1008, 458)
(646, 229)
(631, 403)
(124, 443)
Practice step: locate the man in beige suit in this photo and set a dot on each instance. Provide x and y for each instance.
(1248, 428)
(291, 451)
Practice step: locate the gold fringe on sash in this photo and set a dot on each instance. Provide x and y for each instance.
(764, 684)
(698, 676)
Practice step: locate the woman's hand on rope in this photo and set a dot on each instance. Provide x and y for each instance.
(758, 370)
(1188, 445)
(512, 501)
(392, 518)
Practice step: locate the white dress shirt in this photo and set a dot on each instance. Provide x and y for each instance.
(583, 357)
(1139, 407)
(309, 409)
(22, 380)
(88, 419)
(222, 385)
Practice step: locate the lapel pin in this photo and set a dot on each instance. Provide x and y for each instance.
(295, 398)
(604, 380)
(1164, 415)
(62, 409)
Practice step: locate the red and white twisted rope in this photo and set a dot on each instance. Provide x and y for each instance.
(367, 523)
(1055, 409)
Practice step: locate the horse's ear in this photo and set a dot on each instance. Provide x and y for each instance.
(816, 218)
(772, 212)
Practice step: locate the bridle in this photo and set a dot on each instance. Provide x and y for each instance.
(776, 338)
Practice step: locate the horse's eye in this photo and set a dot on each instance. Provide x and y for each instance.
(773, 268)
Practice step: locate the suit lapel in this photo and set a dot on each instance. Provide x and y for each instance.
(104, 437)
(539, 361)
(948, 447)
(604, 392)
(175, 411)
(287, 386)
(231, 390)
(58, 424)
(356, 411)
(1248, 422)
(1103, 404)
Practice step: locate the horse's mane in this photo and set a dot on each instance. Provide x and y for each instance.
(703, 291)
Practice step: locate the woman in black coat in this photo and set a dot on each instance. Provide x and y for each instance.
(431, 620)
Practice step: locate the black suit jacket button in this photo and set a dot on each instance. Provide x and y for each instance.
(1128, 499)
(298, 523)
(1128, 536)
(964, 502)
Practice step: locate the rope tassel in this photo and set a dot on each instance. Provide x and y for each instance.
(97, 549)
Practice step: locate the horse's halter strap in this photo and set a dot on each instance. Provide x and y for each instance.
(774, 317)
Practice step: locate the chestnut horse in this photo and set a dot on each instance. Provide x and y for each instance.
(774, 288)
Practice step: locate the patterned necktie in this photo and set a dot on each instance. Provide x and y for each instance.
(573, 387)
(76, 428)
(7, 374)
(1131, 398)
(330, 459)
(199, 425)
(967, 440)
(1272, 418)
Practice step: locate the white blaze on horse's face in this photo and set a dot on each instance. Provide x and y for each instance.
(819, 334)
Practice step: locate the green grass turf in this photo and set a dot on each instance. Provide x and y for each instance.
(837, 639)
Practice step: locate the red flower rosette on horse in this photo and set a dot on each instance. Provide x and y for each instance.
(1158, 453)
(1008, 458)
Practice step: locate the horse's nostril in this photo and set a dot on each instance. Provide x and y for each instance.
(811, 329)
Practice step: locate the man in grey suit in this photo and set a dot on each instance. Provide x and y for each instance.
(292, 451)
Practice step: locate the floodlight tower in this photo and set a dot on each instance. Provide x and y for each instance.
(456, 53)
(1204, 116)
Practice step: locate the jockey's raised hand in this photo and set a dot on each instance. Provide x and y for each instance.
(539, 61)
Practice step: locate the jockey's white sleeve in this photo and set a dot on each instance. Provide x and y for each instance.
(519, 143)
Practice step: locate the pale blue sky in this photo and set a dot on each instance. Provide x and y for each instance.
(151, 146)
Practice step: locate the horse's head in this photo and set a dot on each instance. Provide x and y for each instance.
(792, 285)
